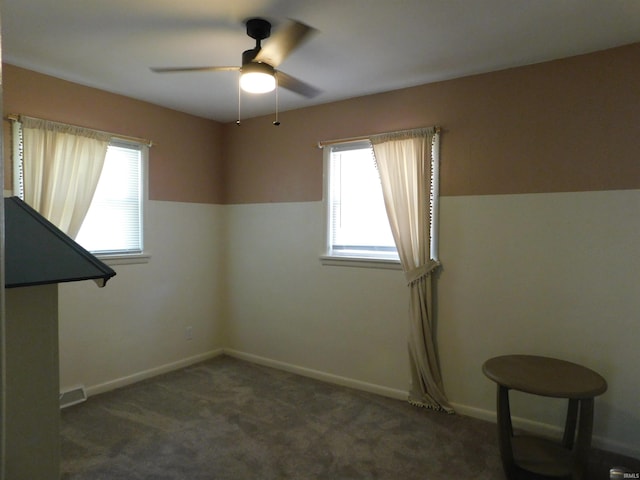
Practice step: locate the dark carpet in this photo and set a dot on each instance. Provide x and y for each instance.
(229, 419)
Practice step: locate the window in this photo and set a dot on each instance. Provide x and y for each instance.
(357, 225)
(114, 223)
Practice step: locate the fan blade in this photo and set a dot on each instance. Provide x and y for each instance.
(193, 69)
(283, 42)
(295, 85)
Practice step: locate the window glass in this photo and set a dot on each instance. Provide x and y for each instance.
(357, 224)
(114, 222)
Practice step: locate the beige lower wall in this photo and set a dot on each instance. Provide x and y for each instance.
(137, 322)
(287, 307)
(550, 274)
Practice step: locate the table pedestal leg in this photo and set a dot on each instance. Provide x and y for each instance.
(570, 424)
(583, 439)
(505, 432)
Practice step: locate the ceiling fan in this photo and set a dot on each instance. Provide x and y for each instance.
(258, 70)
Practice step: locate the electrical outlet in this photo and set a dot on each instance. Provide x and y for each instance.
(188, 333)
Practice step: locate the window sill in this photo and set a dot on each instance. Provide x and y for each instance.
(125, 259)
(361, 262)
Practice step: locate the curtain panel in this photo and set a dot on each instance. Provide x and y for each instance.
(404, 160)
(61, 167)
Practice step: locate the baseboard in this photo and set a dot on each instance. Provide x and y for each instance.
(318, 375)
(519, 423)
(546, 430)
(538, 428)
(152, 372)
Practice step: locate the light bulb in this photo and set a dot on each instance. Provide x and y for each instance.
(257, 78)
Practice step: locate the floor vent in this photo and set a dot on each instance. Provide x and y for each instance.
(73, 396)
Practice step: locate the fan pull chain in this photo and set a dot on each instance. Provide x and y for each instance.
(277, 122)
(239, 103)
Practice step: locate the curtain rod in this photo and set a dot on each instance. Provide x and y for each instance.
(13, 117)
(326, 143)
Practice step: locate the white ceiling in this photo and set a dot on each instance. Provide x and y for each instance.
(362, 46)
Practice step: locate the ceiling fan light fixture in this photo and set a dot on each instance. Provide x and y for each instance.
(257, 78)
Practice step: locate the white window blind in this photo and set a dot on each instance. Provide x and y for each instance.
(357, 224)
(114, 222)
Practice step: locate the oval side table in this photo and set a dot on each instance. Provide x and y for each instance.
(547, 377)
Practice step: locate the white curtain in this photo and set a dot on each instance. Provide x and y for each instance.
(404, 163)
(61, 168)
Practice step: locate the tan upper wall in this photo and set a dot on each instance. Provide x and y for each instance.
(185, 161)
(566, 125)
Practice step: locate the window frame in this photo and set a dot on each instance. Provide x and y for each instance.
(327, 258)
(143, 256)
